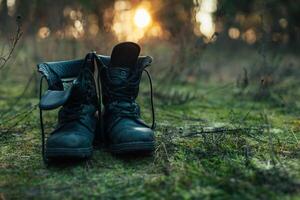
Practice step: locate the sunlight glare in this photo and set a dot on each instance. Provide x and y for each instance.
(133, 22)
(142, 18)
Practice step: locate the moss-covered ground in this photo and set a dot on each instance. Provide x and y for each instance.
(213, 142)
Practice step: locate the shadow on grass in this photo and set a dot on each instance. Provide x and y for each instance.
(65, 162)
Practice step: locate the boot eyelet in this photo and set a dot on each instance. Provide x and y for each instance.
(123, 74)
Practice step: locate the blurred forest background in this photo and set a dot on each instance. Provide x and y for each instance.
(226, 85)
(191, 40)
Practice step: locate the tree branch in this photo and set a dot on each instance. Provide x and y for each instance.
(15, 39)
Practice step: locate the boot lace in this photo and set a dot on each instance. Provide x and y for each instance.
(127, 107)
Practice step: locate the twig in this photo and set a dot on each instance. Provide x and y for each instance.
(273, 155)
(16, 38)
(6, 111)
(219, 130)
(295, 136)
(19, 114)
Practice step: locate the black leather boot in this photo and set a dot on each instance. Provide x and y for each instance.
(125, 132)
(75, 131)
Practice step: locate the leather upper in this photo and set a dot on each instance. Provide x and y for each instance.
(76, 120)
(58, 71)
(120, 88)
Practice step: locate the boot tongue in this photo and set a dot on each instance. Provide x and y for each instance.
(124, 57)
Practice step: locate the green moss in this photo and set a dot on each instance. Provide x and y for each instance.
(259, 164)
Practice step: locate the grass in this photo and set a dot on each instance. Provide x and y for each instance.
(211, 143)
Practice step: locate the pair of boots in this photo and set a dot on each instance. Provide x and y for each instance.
(100, 80)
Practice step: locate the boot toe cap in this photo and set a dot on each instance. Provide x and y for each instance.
(131, 132)
(68, 140)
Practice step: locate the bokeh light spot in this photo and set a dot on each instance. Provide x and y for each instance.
(249, 36)
(283, 23)
(44, 32)
(234, 33)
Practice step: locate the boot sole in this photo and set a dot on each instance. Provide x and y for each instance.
(133, 147)
(69, 152)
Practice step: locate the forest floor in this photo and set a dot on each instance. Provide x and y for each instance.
(213, 142)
